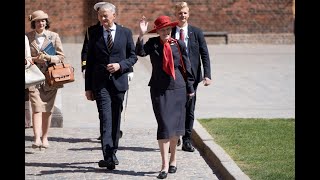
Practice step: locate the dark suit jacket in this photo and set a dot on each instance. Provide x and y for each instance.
(84, 50)
(197, 52)
(159, 78)
(123, 52)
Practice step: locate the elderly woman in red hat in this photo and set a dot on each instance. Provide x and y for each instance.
(170, 83)
(42, 97)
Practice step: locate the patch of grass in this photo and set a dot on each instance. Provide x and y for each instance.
(262, 148)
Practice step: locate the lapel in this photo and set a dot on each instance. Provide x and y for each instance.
(102, 44)
(117, 38)
(158, 47)
(32, 39)
(173, 32)
(191, 37)
(45, 42)
(35, 46)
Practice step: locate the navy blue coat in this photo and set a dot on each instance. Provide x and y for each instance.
(123, 52)
(159, 78)
(197, 52)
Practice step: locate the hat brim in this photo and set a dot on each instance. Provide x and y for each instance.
(173, 24)
(40, 17)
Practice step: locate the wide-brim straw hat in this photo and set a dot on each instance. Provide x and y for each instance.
(161, 22)
(39, 14)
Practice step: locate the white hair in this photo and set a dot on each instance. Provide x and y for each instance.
(108, 6)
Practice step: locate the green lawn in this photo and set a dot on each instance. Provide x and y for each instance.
(264, 149)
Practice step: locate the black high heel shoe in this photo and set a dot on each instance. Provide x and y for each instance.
(172, 169)
(162, 175)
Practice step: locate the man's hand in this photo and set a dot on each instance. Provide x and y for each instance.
(89, 95)
(206, 81)
(113, 67)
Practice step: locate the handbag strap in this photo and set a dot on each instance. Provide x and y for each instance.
(30, 60)
(35, 46)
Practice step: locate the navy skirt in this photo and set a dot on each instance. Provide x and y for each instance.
(169, 110)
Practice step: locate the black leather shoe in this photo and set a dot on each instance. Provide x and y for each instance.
(162, 175)
(172, 169)
(187, 146)
(121, 133)
(111, 167)
(109, 164)
(115, 159)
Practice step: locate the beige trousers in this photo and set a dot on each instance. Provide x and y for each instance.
(27, 114)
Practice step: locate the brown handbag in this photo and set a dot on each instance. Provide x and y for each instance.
(59, 74)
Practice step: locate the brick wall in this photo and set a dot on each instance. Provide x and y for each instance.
(71, 17)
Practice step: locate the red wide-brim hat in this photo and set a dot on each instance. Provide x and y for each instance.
(161, 22)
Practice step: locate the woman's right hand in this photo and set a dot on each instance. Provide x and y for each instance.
(39, 59)
(143, 26)
(42, 58)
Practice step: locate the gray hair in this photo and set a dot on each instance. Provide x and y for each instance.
(108, 6)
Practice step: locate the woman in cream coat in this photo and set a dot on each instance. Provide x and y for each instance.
(42, 97)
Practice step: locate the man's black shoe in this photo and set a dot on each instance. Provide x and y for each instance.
(187, 146)
(109, 164)
(120, 134)
(115, 159)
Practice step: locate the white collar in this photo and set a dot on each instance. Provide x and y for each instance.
(113, 27)
(185, 28)
(40, 34)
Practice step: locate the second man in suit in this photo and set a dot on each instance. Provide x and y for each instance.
(111, 53)
(198, 54)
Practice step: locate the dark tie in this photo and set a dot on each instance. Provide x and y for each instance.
(181, 35)
(109, 40)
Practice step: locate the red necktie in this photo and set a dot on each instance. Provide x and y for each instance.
(167, 63)
(181, 35)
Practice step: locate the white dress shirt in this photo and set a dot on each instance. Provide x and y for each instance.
(185, 31)
(113, 32)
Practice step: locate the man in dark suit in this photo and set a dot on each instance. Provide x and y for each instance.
(84, 50)
(111, 54)
(198, 54)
